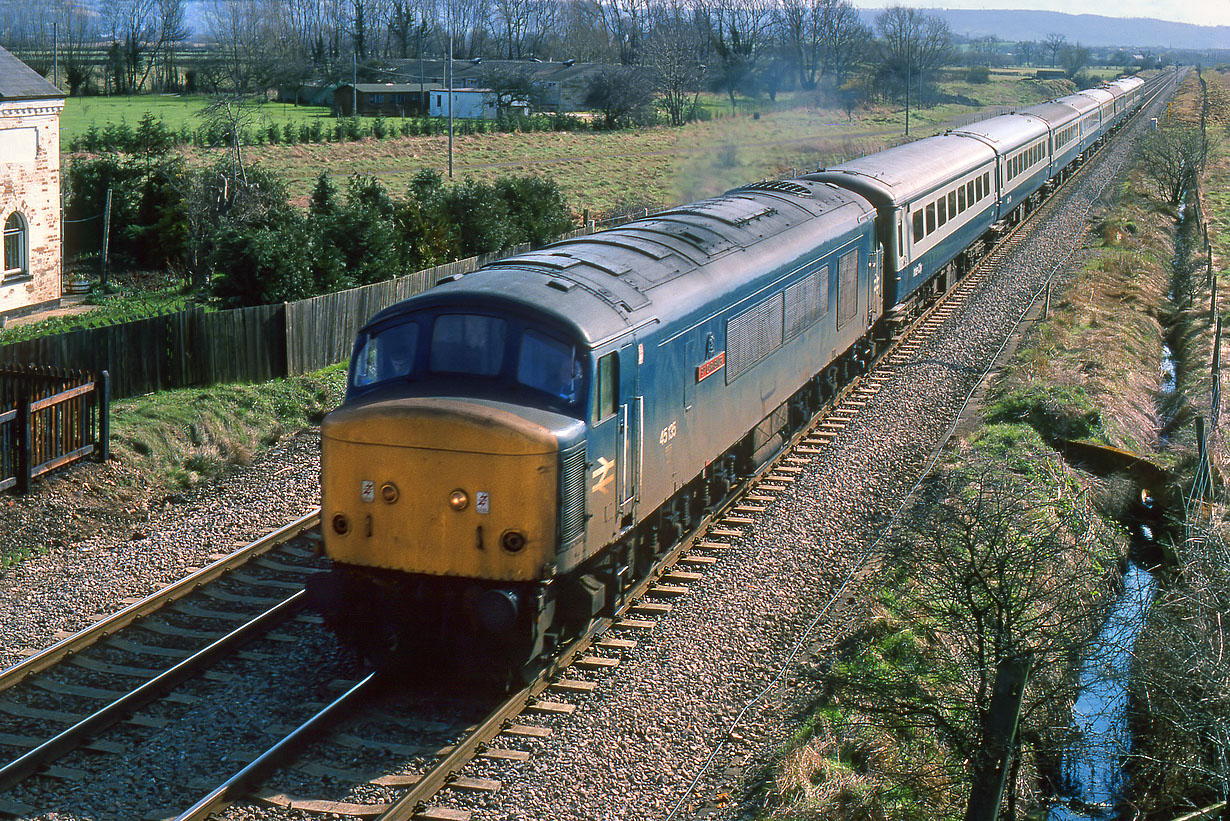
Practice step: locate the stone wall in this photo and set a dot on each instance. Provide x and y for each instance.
(30, 185)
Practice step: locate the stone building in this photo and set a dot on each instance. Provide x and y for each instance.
(29, 188)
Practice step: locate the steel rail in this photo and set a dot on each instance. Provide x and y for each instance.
(268, 762)
(90, 635)
(81, 732)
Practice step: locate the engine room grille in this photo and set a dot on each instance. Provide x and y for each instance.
(782, 186)
(572, 493)
(753, 335)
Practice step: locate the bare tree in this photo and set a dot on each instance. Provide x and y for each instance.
(990, 571)
(621, 93)
(581, 26)
(984, 51)
(822, 36)
(1172, 158)
(1073, 58)
(1054, 44)
(671, 55)
(1182, 681)
(739, 31)
(844, 39)
(910, 44)
(77, 33)
(1027, 52)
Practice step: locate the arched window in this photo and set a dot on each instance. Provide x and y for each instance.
(15, 245)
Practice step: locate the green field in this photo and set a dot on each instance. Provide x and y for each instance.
(605, 171)
(175, 110)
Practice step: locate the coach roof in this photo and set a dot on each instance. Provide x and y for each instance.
(907, 172)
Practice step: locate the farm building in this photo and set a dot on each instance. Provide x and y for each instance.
(29, 187)
(564, 83)
(469, 103)
(387, 99)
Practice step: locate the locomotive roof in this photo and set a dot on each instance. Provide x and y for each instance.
(901, 174)
(1055, 113)
(1005, 132)
(602, 284)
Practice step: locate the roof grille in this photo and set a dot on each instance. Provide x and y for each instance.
(780, 186)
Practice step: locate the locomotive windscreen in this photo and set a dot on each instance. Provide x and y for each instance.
(386, 354)
(484, 351)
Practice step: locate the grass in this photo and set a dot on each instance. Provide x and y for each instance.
(174, 109)
(605, 171)
(178, 439)
(104, 309)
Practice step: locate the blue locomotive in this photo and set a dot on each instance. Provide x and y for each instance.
(518, 444)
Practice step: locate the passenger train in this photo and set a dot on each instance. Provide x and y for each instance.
(518, 444)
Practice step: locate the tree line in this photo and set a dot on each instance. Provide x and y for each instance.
(747, 47)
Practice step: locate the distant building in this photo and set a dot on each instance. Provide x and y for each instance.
(470, 103)
(387, 99)
(564, 84)
(29, 187)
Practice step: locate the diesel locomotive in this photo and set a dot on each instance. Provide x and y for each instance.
(517, 445)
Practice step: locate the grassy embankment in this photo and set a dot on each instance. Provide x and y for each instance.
(1181, 677)
(1092, 370)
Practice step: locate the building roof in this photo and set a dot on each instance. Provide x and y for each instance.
(20, 82)
(389, 88)
(543, 71)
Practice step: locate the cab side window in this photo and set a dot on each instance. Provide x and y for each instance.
(607, 398)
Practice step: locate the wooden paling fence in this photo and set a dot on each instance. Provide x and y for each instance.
(195, 347)
(49, 418)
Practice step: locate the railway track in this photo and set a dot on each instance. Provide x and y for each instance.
(437, 750)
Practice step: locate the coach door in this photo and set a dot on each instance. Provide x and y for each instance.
(630, 446)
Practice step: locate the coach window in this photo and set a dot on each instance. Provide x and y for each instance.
(930, 218)
(961, 199)
(986, 182)
(918, 225)
(978, 188)
(607, 398)
(942, 208)
(15, 245)
(952, 204)
(969, 193)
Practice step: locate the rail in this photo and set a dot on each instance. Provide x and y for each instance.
(94, 633)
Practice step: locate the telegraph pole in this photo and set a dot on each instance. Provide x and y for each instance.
(450, 102)
(907, 82)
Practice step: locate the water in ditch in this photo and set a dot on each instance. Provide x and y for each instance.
(1093, 766)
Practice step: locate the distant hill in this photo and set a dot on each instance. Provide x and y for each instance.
(1088, 29)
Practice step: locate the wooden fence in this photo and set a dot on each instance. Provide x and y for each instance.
(194, 347)
(49, 418)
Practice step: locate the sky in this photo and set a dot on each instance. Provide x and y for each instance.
(1198, 12)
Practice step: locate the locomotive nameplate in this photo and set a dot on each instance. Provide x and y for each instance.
(710, 366)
